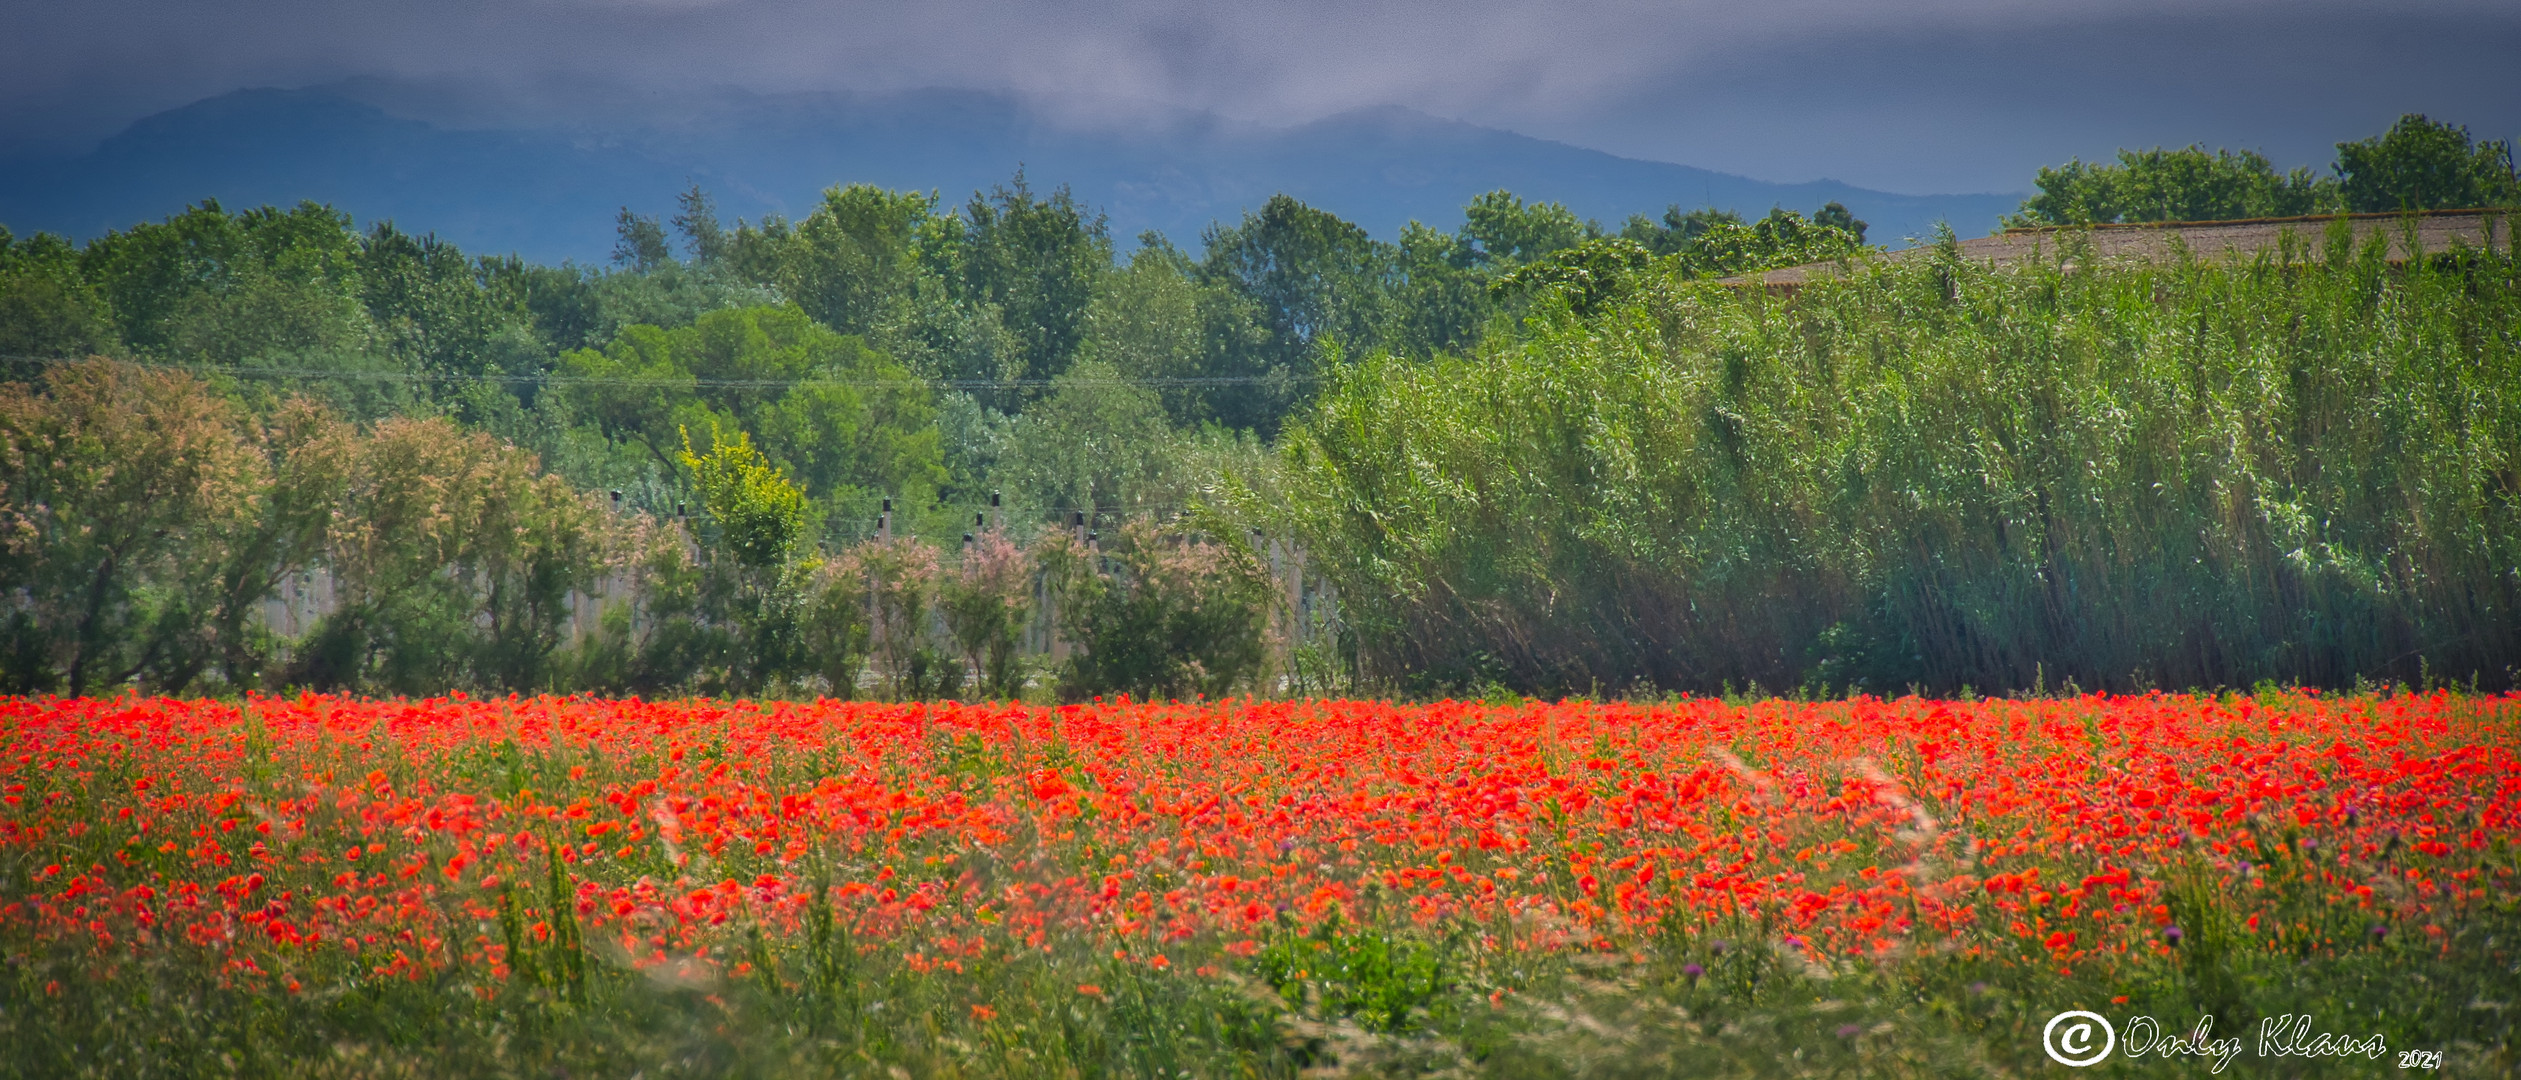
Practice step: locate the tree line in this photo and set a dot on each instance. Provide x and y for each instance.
(151, 518)
(2418, 164)
(782, 434)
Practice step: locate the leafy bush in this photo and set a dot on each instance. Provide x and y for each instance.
(1160, 615)
(454, 556)
(901, 574)
(117, 484)
(759, 514)
(834, 624)
(986, 603)
(656, 637)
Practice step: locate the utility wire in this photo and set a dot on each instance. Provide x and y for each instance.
(244, 371)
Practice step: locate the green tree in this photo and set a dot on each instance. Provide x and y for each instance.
(1504, 232)
(1837, 216)
(1311, 276)
(745, 615)
(2186, 184)
(843, 418)
(280, 529)
(560, 303)
(1677, 231)
(1441, 302)
(671, 632)
(1146, 323)
(639, 242)
(703, 237)
(1157, 322)
(265, 290)
(432, 314)
(1782, 238)
(639, 391)
(760, 515)
(1587, 276)
(257, 315)
(1037, 262)
(533, 540)
(901, 575)
(672, 296)
(47, 308)
(2423, 164)
(1941, 474)
(1098, 443)
(853, 264)
(118, 486)
(832, 626)
(850, 442)
(986, 603)
(210, 284)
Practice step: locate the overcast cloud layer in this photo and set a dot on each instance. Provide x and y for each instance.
(1920, 95)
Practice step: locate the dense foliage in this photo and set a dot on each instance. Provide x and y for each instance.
(365, 460)
(331, 887)
(1940, 475)
(2419, 164)
(151, 523)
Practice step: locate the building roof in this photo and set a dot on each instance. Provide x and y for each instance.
(2150, 241)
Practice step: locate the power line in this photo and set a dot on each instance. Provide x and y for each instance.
(553, 379)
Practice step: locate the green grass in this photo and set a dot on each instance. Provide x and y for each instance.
(1717, 1000)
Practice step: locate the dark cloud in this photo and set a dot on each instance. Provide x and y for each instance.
(1935, 94)
(1974, 106)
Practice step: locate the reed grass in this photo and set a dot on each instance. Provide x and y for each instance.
(2304, 468)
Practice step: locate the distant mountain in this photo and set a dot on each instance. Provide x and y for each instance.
(550, 193)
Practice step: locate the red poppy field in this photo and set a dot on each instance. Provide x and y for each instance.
(326, 886)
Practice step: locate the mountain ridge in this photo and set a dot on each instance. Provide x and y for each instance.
(550, 192)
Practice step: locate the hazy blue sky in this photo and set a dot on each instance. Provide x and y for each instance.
(1920, 95)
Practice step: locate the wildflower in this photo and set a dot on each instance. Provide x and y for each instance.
(1252, 816)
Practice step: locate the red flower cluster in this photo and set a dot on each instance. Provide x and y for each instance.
(291, 838)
